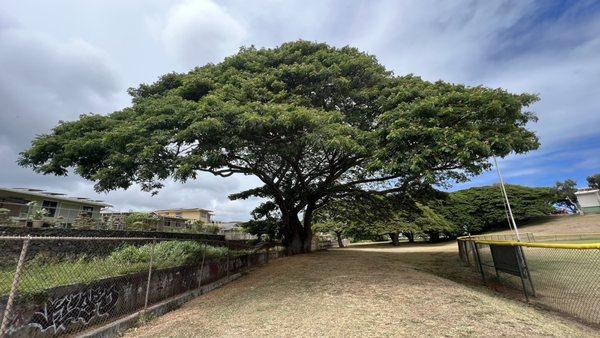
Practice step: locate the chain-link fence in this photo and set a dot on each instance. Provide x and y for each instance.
(65, 285)
(560, 272)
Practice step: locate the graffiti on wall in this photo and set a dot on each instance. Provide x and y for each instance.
(81, 307)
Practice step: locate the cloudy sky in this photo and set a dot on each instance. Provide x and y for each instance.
(59, 59)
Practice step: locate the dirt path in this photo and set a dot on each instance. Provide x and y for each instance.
(363, 291)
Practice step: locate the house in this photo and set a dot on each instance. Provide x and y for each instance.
(193, 214)
(58, 207)
(589, 200)
(165, 223)
(232, 230)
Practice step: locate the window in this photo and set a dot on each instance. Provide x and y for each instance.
(16, 206)
(89, 211)
(50, 207)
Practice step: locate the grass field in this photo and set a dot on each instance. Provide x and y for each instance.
(366, 290)
(568, 224)
(566, 280)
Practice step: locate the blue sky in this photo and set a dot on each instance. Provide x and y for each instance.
(62, 58)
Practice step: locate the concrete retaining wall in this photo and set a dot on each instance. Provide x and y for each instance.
(77, 307)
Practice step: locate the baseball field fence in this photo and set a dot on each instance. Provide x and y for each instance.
(55, 286)
(560, 272)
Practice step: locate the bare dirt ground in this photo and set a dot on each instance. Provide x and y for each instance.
(369, 290)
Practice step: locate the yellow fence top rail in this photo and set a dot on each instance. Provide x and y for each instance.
(575, 234)
(581, 246)
(586, 246)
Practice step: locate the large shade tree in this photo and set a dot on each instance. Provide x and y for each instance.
(309, 120)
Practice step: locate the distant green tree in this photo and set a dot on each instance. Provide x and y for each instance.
(594, 181)
(351, 215)
(270, 227)
(433, 224)
(142, 221)
(402, 222)
(198, 226)
(211, 229)
(411, 221)
(565, 194)
(337, 228)
(481, 208)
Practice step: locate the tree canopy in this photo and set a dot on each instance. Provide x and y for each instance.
(593, 181)
(356, 215)
(313, 122)
(565, 194)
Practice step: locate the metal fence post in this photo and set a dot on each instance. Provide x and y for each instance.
(228, 250)
(466, 248)
(202, 265)
(14, 286)
(267, 251)
(149, 274)
(478, 259)
(521, 272)
(526, 269)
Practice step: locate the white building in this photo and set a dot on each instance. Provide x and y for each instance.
(58, 207)
(589, 200)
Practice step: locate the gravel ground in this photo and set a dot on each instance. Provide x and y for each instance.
(368, 291)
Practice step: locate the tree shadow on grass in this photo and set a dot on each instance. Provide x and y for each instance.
(442, 260)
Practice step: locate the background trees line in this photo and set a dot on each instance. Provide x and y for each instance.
(447, 215)
(442, 215)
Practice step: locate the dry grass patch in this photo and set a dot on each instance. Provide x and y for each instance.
(567, 224)
(366, 291)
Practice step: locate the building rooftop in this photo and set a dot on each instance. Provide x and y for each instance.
(186, 209)
(586, 191)
(55, 196)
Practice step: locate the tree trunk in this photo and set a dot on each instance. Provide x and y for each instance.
(293, 241)
(410, 236)
(308, 235)
(297, 236)
(395, 238)
(339, 239)
(434, 237)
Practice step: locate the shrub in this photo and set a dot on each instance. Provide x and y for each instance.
(4, 219)
(84, 221)
(142, 221)
(169, 253)
(211, 229)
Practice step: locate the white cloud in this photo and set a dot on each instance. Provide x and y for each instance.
(69, 69)
(44, 80)
(200, 31)
(567, 84)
